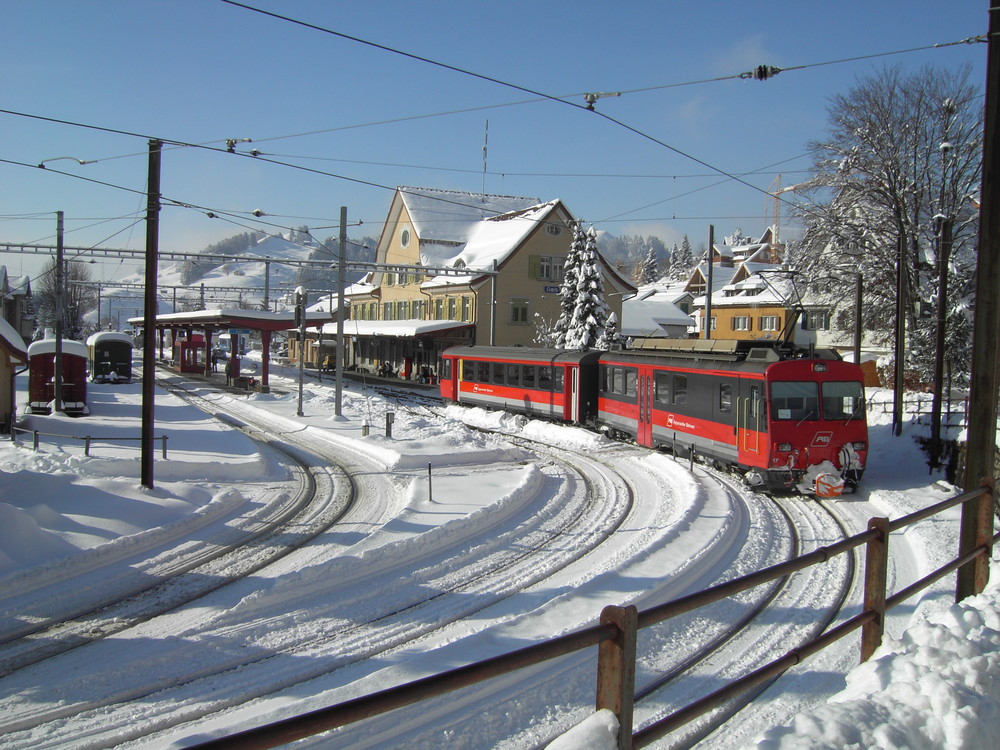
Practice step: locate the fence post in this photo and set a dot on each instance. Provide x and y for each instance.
(34, 441)
(390, 417)
(976, 531)
(86, 446)
(876, 565)
(616, 669)
(164, 439)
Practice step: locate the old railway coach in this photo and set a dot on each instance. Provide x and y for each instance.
(788, 420)
(549, 383)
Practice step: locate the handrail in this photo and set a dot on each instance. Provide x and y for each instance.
(616, 637)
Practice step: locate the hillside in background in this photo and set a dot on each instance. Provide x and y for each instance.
(240, 284)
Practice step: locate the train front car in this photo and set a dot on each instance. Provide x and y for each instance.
(547, 383)
(817, 430)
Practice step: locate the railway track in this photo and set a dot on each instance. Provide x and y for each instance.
(515, 553)
(314, 498)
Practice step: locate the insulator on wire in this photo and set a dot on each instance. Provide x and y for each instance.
(763, 72)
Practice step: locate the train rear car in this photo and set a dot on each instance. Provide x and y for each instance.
(110, 355)
(548, 383)
(788, 422)
(41, 375)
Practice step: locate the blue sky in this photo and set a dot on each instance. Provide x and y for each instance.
(202, 71)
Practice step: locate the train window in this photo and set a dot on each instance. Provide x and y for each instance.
(618, 381)
(545, 378)
(661, 386)
(528, 376)
(483, 372)
(680, 389)
(726, 397)
(843, 401)
(468, 370)
(631, 383)
(754, 401)
(498, 371)
(606, 379)
(514, 375)
(558, 380)
(445, 369)
(798, 401)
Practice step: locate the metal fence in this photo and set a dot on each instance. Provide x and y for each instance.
(88, 440)
(616, 635)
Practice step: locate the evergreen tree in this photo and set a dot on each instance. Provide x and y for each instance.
(590, 313)
(647, 271)
(567, 292)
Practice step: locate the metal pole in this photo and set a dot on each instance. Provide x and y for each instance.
(341, 312)
(899, 349)
(493, 305)
(985, 379)
(300, 311)
(944, 250)
(149, 312)
(60, 285)
(708, 292)
(857, 319)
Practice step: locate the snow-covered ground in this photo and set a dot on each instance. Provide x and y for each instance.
(935, 683)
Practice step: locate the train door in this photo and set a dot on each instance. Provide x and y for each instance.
(644, 426)
(751, 426)
(572, 395)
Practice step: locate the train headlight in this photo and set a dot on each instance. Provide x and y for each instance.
(860, 445)
(819, 367)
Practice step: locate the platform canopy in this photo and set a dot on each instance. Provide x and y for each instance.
(211, 321)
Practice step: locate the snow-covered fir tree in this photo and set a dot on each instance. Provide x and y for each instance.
(590, 313)
(611, 338)
(647, 270)
(682, 261)
(567, 292)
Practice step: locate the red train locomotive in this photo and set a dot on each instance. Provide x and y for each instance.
(787, 419)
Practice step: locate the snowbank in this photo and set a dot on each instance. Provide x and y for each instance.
(936, 687)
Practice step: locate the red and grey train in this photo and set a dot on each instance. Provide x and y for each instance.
(787, 419)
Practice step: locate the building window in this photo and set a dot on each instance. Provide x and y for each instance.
(554, 229)
(439, 309)
(742, 323)
(418, 309)
(404, 237)
(386, 311)
(452, 303)
(770, 323)
(519, 311)
(816, 320)
(546, 268)
(465, 309)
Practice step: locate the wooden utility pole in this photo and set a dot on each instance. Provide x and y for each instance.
(977, 516)
(149, 312)
(57, 379)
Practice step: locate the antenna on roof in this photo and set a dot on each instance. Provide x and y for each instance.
(486, 140)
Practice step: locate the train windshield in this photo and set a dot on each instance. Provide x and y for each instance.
(793, 400)
(843, 401)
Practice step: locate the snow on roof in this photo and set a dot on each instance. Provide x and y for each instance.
(109, 336)
(48, 346)
(12, 340)
(452, 216)
(411, 327)
(653, 312)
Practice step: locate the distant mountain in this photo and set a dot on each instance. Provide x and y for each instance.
(250, 275)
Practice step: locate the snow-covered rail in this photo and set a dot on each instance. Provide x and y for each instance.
(166, 574)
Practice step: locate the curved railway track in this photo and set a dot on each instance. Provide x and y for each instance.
(316, 498)
(470, 575)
